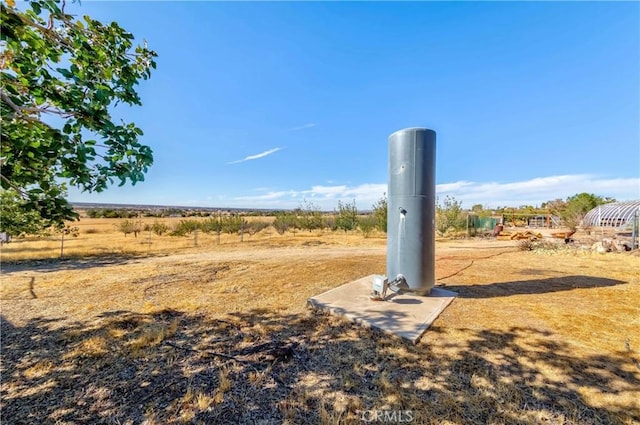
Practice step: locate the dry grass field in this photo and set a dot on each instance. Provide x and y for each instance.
(123, 331)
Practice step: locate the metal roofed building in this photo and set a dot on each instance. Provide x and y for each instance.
(616, 214)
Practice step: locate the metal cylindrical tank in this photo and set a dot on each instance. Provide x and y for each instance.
(411, 208)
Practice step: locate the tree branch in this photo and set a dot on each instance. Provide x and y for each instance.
(21, 192)
(6, 99)
(43, 29)
(21, 110)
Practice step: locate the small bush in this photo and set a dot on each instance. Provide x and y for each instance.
(157, 228)
(130, 226)
(253, 227)
(380, 213)
(330, 223)
(347, 216)
(212, 225)
(284, 221)
(538, 245)
(232, 224)
(525, 245)
(366, 225)
(449, 215)
(91, 231)
(185, 227)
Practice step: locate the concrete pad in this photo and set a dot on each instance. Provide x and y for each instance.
(404, 315)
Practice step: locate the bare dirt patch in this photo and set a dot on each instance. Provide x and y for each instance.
(222, 334)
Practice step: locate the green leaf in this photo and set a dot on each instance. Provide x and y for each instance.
(104, 69)
(65, 72)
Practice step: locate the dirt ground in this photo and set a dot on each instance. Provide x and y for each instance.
(221, 333)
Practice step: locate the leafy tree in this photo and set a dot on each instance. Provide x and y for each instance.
(126, 227)
(366, 224)
(309, 216)
(15, 219)
(330, 223)
(213, 224)
(66, 231)
(380, 213)
(186, 227)
(449, 215)
(94, 213)
(60, 79)
(347, 218)
(481, 211)
(573, 210)
(284, 221)
(233, 224)
(157, 227)
(130, 226)
(255, 226)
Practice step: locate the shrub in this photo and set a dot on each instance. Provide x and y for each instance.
(380, 213)
(309, 217)
(130, 226)
(284, 221)
(366, 225)
(330, 223)
(539, 245)
(525, 245)
(94, 213)
(212, 225)
(185, 227)
(576, 207)
(157, 228)
(347, 218)
(232, 224)
(253, 227)
(449, 215)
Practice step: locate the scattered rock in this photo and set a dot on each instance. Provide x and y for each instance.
(600, 247)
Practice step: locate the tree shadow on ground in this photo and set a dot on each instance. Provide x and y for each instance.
(267, 367)
(535, 286)
(71, 263)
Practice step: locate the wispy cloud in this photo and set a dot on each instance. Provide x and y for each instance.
(540, 189)
(302, 127)
(489, 194)
(269, 196)
(323, 196)
(256, 156)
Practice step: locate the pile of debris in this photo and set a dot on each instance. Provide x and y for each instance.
(518, 236)
(611, 245)
(563, 235)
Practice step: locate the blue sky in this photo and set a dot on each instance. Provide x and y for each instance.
(267, 104)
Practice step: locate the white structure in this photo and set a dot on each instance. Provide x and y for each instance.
(616, 214)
